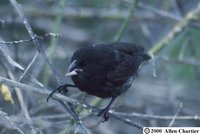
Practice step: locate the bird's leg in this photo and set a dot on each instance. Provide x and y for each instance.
(61, 89)
(106, 110)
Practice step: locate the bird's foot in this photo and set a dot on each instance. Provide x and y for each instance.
(61, 89)
(105, 114)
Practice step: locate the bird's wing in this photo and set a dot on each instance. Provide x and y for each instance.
(127, 66)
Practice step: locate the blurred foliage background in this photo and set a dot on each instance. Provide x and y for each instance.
(168, 29)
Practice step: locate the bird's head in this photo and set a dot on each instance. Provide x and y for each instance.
(73, 69)
(79, 62)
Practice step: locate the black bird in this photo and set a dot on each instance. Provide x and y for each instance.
(105, 70)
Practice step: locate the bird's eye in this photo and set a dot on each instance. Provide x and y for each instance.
(82, 64)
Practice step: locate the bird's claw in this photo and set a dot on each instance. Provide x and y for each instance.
(61, 89)
(105, 114)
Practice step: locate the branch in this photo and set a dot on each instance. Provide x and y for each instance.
(35, 37)
(155, 117)
(28, 67)
(176, 115)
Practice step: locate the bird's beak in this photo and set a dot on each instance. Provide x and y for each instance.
(72, 66)
(72, 70)
(71, 73)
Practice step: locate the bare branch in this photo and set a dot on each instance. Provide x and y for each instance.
(29, 66)
(155, 117)
(175, 116)
(35, 37)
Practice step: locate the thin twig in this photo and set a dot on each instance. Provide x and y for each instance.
(28, 67)
(175, 116)
(126, 121)
(35, 37)
(155, 117)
